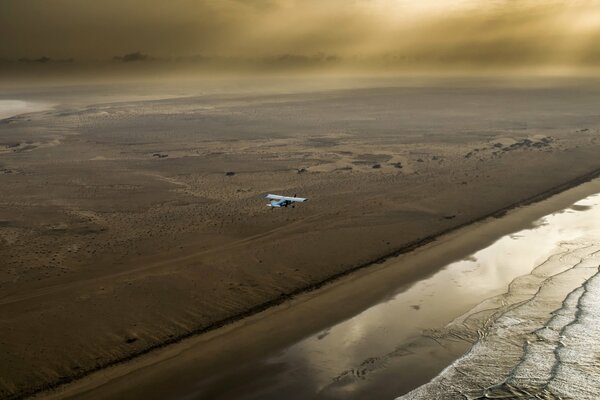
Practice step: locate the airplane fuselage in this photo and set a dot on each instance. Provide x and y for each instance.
(279, 204)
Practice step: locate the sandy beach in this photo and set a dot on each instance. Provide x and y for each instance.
(128, 226)
(378, 333)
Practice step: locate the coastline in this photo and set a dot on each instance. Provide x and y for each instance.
(129, 363)
(538, 336)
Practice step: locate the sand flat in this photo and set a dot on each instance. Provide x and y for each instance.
(122, 232)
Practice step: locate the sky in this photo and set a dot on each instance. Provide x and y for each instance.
(432, 33)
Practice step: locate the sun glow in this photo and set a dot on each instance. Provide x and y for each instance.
(422, 8)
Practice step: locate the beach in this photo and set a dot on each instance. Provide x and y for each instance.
(389, 329)
(129, 226)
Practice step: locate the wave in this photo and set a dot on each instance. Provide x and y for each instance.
(539, 340)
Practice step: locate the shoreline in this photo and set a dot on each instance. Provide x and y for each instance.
(49, 390)
(528, 356)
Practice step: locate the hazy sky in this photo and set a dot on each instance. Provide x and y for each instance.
(487, 32)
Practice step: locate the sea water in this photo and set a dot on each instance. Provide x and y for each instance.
(541, 338)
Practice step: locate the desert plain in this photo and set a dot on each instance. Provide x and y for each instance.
(130, 224)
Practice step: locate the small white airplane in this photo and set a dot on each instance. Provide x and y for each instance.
(278, 201)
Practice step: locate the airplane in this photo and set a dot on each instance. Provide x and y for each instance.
(278, 201)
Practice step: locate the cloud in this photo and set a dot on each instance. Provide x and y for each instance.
(434, 33)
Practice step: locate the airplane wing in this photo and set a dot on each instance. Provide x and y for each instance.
(292, 199)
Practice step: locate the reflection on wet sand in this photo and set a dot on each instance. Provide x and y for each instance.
(539, 338)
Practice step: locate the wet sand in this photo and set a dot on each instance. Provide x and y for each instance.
(540, 337)
(121, 231)
(378, 333)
